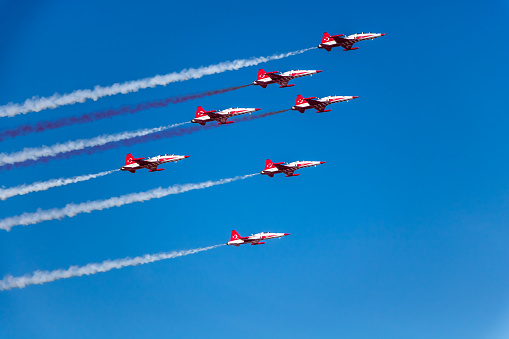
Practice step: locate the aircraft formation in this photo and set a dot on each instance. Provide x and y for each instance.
(152, 163)
(301, 105)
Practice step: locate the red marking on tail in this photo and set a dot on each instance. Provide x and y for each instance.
(235, 236)
(268, 164)
(129, 159)
(300, 100)
(261, 74)
(200, 112)
(326, 37)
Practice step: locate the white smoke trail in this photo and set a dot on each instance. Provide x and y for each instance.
(6, 193)
(71, 210)
(34, 153)
(37, 104)
(41, 277)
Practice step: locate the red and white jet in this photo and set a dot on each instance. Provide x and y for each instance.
(288, 169)
(202, 116)
(132, 164)
(253, 239)
(267, 78)
(329, 42)
(302, 104)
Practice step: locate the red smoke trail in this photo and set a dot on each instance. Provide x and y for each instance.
(106, 114)
(171, 133)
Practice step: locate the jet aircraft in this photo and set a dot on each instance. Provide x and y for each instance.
(202, 116)
(133, 164)
(329, 42)
(302, 104)
(254, 239)
(288, 169)
(267, 78)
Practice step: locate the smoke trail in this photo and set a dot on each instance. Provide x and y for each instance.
(37, 104)
(71, 210)
(32, 156)
(41, 277)
(35, 153)
(106, 114)
(6, 193)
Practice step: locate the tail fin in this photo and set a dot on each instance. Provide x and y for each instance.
(261, 74)
(300, 100)
(268, 164)
(129, 159)
(200, 112)
(326, 37)
(235, 236)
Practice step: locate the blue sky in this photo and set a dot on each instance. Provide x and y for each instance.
(402, 234)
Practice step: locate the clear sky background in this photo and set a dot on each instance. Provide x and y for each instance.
(403, 233)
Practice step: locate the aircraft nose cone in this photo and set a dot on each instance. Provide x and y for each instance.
(287, 234)
(258, 109)
(383, 34)
(319, 71)
(322, 162)
(354, 97)
(186, 156)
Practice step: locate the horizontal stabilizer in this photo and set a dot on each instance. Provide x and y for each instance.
(200, 112)
(157, 170)
(287, 86)
(257, 243)
(292, 175)
(226, 123)
(327, 110)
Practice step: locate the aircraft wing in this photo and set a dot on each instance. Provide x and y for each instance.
(279, 79)
(318, 105)
(345, 43)
(274, 76)
(141, 162)
(212, 115)
(285, 169)
(152, 167)
(221, 118)
(283, 81)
